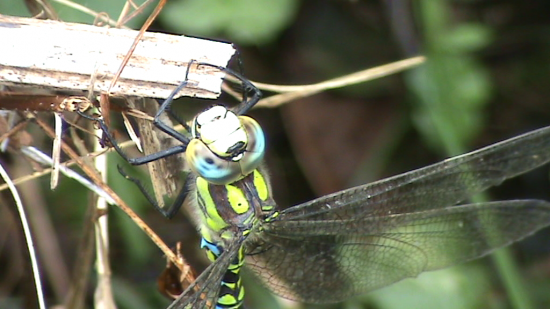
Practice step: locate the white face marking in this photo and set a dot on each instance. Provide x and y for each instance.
(221, 130)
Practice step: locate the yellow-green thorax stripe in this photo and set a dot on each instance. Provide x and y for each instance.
(233, 205)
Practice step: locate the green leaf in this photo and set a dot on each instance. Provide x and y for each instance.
(466, 38)
(242, 21)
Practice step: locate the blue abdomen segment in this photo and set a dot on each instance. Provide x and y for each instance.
(231, 294)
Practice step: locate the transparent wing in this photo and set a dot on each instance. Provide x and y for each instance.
(373, 235)
(204, 292)
(445, 183)
(329, 265)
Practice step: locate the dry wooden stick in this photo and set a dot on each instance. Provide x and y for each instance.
(63, 56)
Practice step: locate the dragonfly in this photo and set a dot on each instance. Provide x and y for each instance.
(349, 242)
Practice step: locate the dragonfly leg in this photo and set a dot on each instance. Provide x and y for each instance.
(167, 212)
(141, 160)
(165, 107)
(176, 117)
(248, 87)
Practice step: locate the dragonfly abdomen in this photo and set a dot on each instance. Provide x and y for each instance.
(231, 295)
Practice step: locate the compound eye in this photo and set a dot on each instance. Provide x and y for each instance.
(209, 166)
(255, 148)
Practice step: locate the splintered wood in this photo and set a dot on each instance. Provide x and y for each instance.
(70, 57)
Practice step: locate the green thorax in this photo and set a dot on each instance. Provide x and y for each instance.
(239, 206)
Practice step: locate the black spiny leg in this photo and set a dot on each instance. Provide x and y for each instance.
(173, 115)
(165, 107)
(182, 194)
(141, 160)
(247, 85)
(167, 212)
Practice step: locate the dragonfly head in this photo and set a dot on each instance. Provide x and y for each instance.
(225, 147)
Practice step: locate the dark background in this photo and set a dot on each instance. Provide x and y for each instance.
(486, 79)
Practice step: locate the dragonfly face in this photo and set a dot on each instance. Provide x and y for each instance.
(225, 147)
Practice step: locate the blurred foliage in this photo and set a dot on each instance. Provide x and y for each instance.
(111, 8)
(453, 87)
(254, 22)
(485, 80)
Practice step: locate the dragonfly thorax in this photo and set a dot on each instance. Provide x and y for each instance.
(225, 147)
